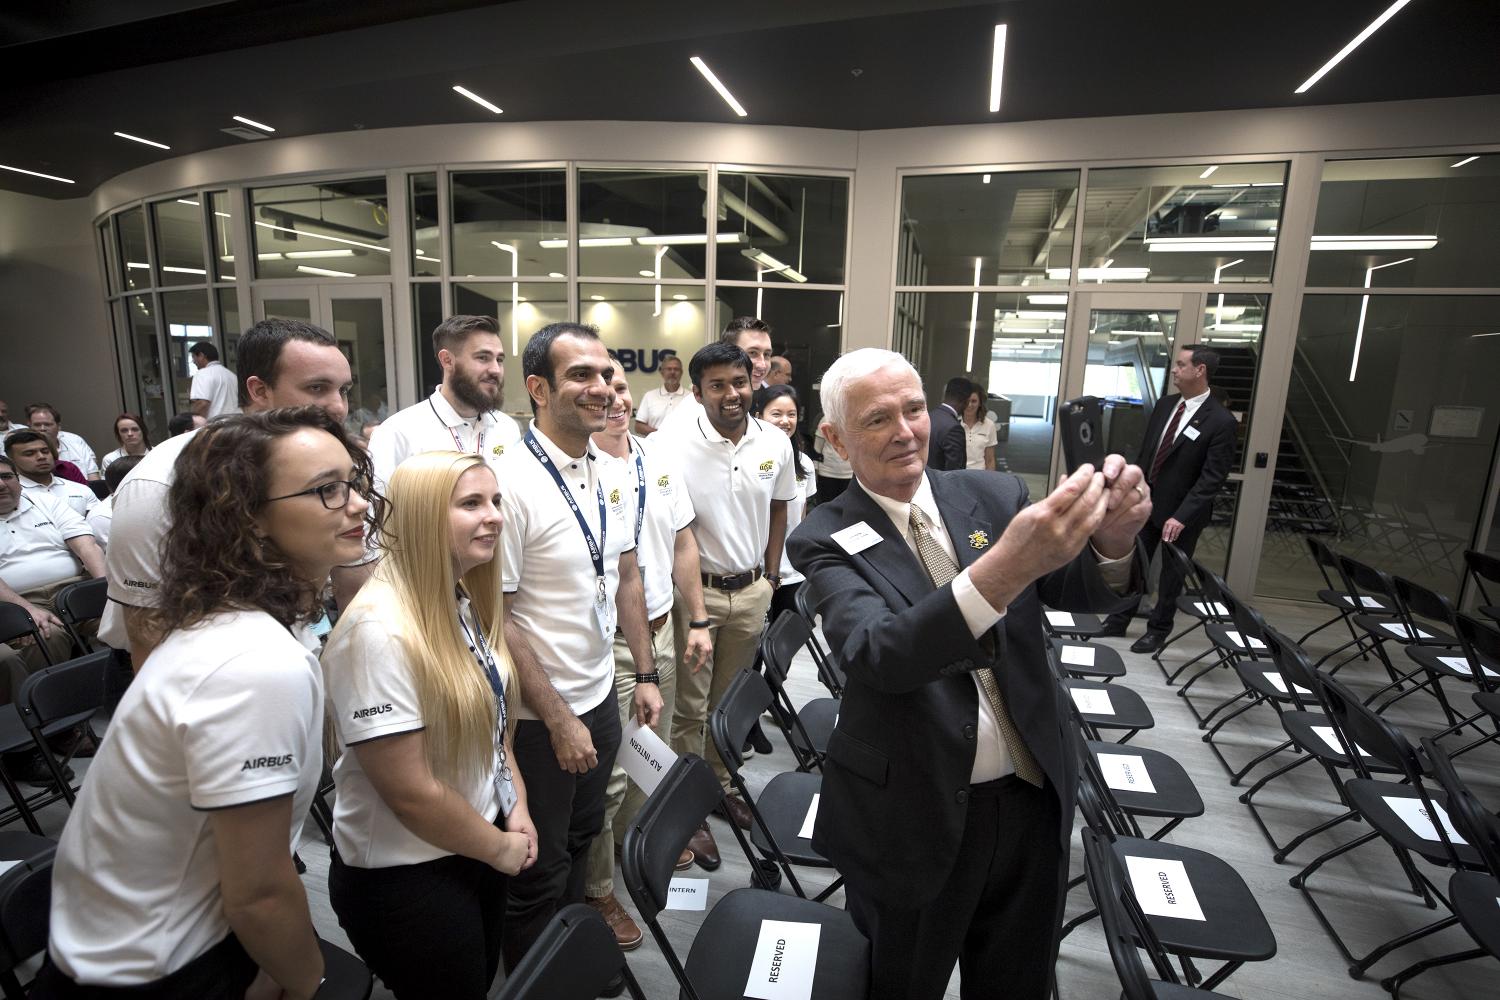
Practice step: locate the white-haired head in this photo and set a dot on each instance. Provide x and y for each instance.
(850, 368)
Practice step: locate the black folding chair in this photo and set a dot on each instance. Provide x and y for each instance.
(829, 671)
(1480, 642)
(575, 958)
(1336, 594)
(1161, 790)
(16, 623)
(1194, 600)
(1375, 630)
(1084, 660)
(80, 603)
(718, 962)
(1216, 595)
(1430, 617)
(25, 899)
(778, 812)
(1484, 568)
(1102, 707)
(59, 699)
(806, 729)
(1071, 624)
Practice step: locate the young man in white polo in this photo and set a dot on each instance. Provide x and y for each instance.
(214, 391)
(740, 472)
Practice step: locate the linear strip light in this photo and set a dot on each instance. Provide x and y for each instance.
(314, 254)
(184, 270)
(320, 236)
(143, 142)
(997, 68)
(770, 263)
(253, 123)
(1210, 244)
(1476, 336)
(188, 201)
(973, 316)
(1048, 300)
(661, 252)
(33, 173)
(1364, 306)
(1208, 173)
(515, 292)
(1100, 273)
(674, 239)
(309, 269)
(1460, 163)
(1358, 40)
(708, 75)
(465, 91)
(1374, 242)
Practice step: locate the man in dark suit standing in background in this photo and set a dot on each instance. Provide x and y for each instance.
(1187, 452)
(947, 795)
(945, 443)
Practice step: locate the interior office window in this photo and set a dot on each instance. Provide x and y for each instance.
(1202, 223)
(111, 257)
(130, 226)
(145, 350)
(807, 329)
(521, 309)
(427, 314)
(324, 229)
(222, 235)
(178, 227)
(648, 224)
(1008, 342)
(426, 257)
(643, 324)
(782, 228)
(1235, 326)
(987, 229)
(187, 321)
(1420, 221)
(509, 222)
(1388, 437)
(230, 324)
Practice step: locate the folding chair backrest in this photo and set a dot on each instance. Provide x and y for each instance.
(1123, 934)
(731, 721)
(1293, 665)
(786, 636)
(659, 832)
(1251, 624)
(574, 959)
(1366, 580)
(1325, 559)
(82, 602)
(1471, 820)
(15, 622)
(1369, 731)
(1485, 569)
(67, 693)
(1217, 591)
(1479, 639)
(829, 671)
(1192, 581)
(1417, 601)
(25, 904)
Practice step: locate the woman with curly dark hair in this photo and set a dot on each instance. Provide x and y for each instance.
(174, 875)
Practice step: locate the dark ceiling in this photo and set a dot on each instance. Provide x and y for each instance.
(176, 70)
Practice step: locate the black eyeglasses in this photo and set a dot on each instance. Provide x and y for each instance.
(334, 495)
(7, 477)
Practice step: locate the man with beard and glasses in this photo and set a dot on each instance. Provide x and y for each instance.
(462, 414)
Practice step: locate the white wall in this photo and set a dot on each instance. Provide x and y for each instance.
(55, 341)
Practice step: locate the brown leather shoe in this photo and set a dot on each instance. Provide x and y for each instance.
(627, 934)
(734, 809)
(705, 850)
(684, 860)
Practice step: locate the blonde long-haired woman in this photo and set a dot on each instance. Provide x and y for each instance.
(430, 816)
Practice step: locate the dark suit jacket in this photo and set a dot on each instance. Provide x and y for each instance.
(1194, 468)
(945, 446)
(896, 780)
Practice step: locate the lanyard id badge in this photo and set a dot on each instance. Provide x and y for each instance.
(604, 616)
(640, 504)
(505, 785)
(458, 445)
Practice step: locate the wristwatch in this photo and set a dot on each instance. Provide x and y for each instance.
(654, 677)
(774, 578)
(700, 623)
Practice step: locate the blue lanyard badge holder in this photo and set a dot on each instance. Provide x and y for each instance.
(505, 785)
(604, 612)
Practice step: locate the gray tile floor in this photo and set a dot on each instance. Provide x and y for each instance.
(1362, 889)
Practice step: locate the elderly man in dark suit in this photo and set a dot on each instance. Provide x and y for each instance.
(947, 796)
(945, 442)
(1187, 452)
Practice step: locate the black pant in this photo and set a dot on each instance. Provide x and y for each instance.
(568, 810)
(1170, 586)
(830, 488)
(997, 915)
(223, 972)
(784, 598)
(427, 930)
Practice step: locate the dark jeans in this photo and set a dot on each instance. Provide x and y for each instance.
(997, 914)
(223, 972)
(1170, 586)
(568, 810)
(427, 930)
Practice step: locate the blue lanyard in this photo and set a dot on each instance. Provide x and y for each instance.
(486, 660)
(640, 491)
(596, 549)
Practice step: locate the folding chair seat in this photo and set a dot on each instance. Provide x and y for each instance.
(807, 728)
(1071, 624)
(1239, 644)
(829, 671)
(1484, 568)
(575, 958)
(1089, 660)
(1335, 592)
(1109, 707)
(1377, 630)
(1217, 629)
(780, 810)
(1171, 794)
(718, 961)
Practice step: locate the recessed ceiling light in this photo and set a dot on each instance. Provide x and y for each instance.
(1462, 162)
(144, 142)
(997, 68)
(646, 274)
(708, 75)
(597, 298)
(683, 298)
(33, 173)
(465, 91)
(323, 270)
(986, 178)
(556, 274)
(1358, 40)
(1208, 173)
(253, 123)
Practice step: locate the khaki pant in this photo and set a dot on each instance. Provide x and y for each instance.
(739, 617)
(17, 662)
(623, 798)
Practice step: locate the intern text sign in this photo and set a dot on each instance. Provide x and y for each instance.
(643, 755)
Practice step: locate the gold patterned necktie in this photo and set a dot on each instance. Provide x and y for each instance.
(942, 569)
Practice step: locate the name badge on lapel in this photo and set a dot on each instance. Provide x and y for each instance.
(856, 538)
(1190, 432)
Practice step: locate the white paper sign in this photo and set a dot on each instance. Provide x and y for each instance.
(1279, 682)
(1400, 631)
(1126, 773)
(1365, 601)
(1190, 432)
(6, 866)
(1241, 640)
(1163, 888)
(1414, 815)
(1211, 608)
(1093, 702)
(811, 818)
(785, 958)
(1061, 619)
(1326, 734)
(1078, 656)
(856, 537)
(687, 894)
(643, 755)
(1461, 664)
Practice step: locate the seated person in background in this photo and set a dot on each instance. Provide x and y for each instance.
(430, 817)
(44, 547)
(100, 517)
(44, 418)
(35, 459)
(130, 431)
(184, 422)
(174, 873)
(5, 425)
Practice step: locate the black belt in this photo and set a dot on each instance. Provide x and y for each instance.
(732, 581)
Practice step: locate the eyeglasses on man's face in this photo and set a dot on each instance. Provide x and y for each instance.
(334, 495)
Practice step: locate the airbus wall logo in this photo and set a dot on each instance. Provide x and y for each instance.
(642, 360)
